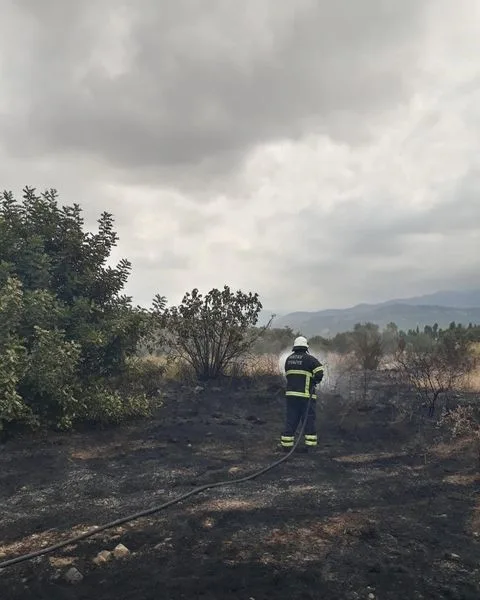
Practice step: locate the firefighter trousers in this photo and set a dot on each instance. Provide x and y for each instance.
(296, 411)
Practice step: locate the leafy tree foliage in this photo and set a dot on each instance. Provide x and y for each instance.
(64, 325)
(365, 343)
(275, 340)
(434, 332)
(210, 332)
(393, 339)
(367, 346)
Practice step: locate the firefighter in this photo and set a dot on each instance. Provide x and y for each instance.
(303, 372)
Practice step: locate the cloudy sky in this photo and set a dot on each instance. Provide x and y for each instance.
(321, 153)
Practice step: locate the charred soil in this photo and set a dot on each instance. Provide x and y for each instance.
(369, 514)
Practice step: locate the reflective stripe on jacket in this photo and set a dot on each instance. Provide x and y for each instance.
(302, 371)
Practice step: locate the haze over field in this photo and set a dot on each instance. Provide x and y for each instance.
(322, 154)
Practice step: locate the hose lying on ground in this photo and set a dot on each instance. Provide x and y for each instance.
(154, 509)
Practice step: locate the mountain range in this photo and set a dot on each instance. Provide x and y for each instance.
(442, 307)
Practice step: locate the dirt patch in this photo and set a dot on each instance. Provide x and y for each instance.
(364, 515)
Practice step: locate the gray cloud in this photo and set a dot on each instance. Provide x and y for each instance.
(320, 153)
(383, 232)
(202, 86)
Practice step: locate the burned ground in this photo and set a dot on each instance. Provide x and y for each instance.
(369, 515)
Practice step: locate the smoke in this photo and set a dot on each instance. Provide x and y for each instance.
(281, 361)
(331, 375)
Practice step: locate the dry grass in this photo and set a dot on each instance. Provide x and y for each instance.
(340, 375)
(462, 479)
(30, 543)
(367, 458)
(228, 504)
(476, 349)
(321, 532)
(475, 519)
(160, 361)
(337, 367)
(291, 545)
(250, 366)
(174, 370)
(472, 382)
(111, 450)
(454, 447)
(255, 366)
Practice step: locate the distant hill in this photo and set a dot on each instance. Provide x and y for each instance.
(441, 307)
(453, 299)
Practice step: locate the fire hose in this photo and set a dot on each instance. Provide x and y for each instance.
(155, 509)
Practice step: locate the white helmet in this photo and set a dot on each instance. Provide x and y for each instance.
(300, 342)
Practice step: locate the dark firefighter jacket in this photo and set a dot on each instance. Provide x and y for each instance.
(302, 371)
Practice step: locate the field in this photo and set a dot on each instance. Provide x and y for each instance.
(382, 510)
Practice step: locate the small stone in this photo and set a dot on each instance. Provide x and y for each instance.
(121, 551)
(102, 557)
(73, 576)
(371, 596)
(208, 523)
(453, 556)
(198, 389)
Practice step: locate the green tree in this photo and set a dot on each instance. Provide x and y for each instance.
(13, 354)
(275, 340)
(66, 328)
(367, 346)
(341, 342)
(390, 338)
(320, 343)
(212, 331)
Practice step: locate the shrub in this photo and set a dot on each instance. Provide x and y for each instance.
(367, 346)
(144, 374)
(274, 341)
(210, 332)
(66, 332)
(50, 383)
(437, 368)
(104, 405)
(463, 422)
